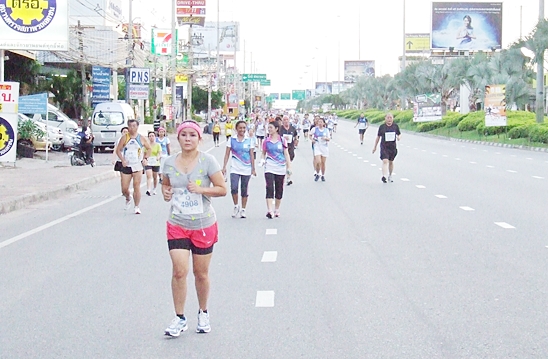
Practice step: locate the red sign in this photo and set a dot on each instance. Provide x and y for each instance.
(191, 3)
(191, 20)
(191, 11)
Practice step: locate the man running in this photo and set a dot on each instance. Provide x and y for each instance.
(289, 133)
(131, 152)
(363, 125)
(305, 126)
(388, 133)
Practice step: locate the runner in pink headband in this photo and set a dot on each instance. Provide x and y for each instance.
(189, 124)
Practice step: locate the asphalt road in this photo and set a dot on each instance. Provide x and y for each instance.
(449, 261)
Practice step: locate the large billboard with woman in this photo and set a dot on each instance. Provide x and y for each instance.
(467, 25)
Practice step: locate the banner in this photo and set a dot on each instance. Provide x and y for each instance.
(160, 43)
(101, 85)
(427, 108)
(323, 88)
(495, 105)
(355, 69)
(229, 36)
(34, 25)
(9, 101)
(232, 97)
(467, 26)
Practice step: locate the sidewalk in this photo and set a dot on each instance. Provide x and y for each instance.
(35, 180)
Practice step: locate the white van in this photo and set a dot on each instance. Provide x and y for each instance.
(107, 121)
(56, 118)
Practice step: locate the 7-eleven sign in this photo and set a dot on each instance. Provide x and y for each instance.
(161, 42)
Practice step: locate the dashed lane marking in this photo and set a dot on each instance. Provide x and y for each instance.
(421, 186)
(373, 165)
(489, 166)
(441, 196)
(269, 256)
(366, 161)
(504, 225)
(511, 171)
(271, 231)
(360, 158)
(538, 177)
(264, 299)
(465, 208)
(405, 179)
(473, 163)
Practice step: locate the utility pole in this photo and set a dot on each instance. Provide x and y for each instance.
(83, 115)
(359, 33)
(540, 73)
(189, 84)
(129, 61)
(173, 62)
(209, 84)
(403, 59)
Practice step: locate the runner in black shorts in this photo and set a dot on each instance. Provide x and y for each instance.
(388, 133)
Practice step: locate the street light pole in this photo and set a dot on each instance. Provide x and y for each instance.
(540, 74)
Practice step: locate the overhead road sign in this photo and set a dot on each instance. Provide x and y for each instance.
(265, 83)
(285, 96)
(417, 42)
(253, 77)
(298, 94)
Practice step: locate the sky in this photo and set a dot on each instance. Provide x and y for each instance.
(298, 42)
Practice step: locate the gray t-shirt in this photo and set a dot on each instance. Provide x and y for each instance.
(191, 211)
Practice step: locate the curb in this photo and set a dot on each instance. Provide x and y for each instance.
(37, 197)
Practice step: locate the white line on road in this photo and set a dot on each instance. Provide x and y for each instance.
(511, 171)
(538, 177)
(264, 299)
(441, 196)
(420, 186)
(465, 208)
(405, 179)
(434, 153)
(373, 165)
(444, 156)
(366, 161)
(504, 225)
(360, 158)
(354, 155)
(270, 231)
(457, 159)
(529, 158)
(489, 166)
(269, 256)
(474, 163)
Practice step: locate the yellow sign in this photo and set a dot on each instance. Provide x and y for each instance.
(179, 79)
(417, 42)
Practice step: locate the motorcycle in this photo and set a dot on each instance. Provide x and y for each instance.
(78, 157)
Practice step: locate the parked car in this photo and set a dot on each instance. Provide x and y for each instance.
(58, 119)
(39, 143)
(107, 121)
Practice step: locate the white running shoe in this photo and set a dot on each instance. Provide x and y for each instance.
(242, 213)
(137, 210)
(390, 179)
(176, 327)
(203, 322)
(128, 204)
(236, 211)
(154, 192)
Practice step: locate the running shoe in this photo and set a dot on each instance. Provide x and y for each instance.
(236, 211)
(316, 177)
(128, 203)
(390, 179)
(383, 179)
(277, 213)
(176, 327)
(361, 143)
(269, 215)
(137, 210)
(154, 192)
(203, 322)
(148, 193)
(242, 213)
(289, 183)
(323, 178)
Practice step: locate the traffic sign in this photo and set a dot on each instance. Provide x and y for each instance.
(285, 96)
(417, 42)
(191, 11)
(253, 77)
(298, 95)
(265, 83)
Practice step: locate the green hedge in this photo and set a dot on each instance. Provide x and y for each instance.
(471, 121)
(403, 116)
(539, 133)
(429, 126)
(452, 119)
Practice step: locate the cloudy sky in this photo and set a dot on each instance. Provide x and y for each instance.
(293, 40)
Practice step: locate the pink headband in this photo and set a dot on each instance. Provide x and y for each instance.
(161, 129)
(189, 124)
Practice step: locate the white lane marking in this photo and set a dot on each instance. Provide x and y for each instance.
(423, 150)
(420, 186)
(538, 177)
(434, 153)
(270, 231)
(264, 299)
(441, 196)
(366, 161)
(529, 158)
(360, 158)
(415, 148)
(373, 165)
(405, 179)
(349, 152)
(511, 171)
(485, 151)
(473, 163)
(354, 155)
(504, 225)
(444, 156)
(489, 166)
(497, 153)
(513, 156)
(465, 208)
(474, 148)
(53, 223)
(457, 159)
(269, 256)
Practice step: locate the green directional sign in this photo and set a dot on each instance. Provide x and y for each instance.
(253, 77)
(265, 83)
(269, 99)
(298, 95)
(285, 96)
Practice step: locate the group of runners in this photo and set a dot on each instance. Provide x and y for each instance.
(191, 178)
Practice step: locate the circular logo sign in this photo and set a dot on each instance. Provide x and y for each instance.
(28, 16)
(7, 137)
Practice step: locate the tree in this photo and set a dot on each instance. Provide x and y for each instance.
(23, 70)
(199, 99)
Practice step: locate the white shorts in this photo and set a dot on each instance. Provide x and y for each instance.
(321, 150)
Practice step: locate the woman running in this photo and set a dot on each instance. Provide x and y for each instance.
(216, 133)
(242, 166)
(165, 143)
(320, 137)
(153, 165)
(191, 178)
(228, 128)
(260, 131)
(277, 165)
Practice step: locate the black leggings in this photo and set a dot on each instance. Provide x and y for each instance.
(274, 183)
(215, 136)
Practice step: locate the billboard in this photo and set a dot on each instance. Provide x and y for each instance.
(355, 69)
(232, 97)
(323, 88)
(160, 43)
(229, 36)
(495, 105)
(427, 108)
(466, 26)
(34, 25)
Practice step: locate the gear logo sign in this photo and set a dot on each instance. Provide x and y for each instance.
(7, 136)
(28, 16)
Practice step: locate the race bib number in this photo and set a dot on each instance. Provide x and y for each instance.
(390, 136)
(288, 138)
(185, 202)
(280, 146)
(152, 161)
(132, 156)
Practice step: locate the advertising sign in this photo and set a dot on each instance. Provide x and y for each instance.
(101, 85)
(309, 94)
(139, 75)
(323, 88)
(467, 25)
(427, 108)
(417, 42)
(191, 3)
(34, 104)
(191, 11)
(34, 25)
(138, 92)
(232, 97)
(298, 95)
(229, 36)
(160, 43)
(355, 69)
(495, 105)
(191, 20)
(9, 100)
